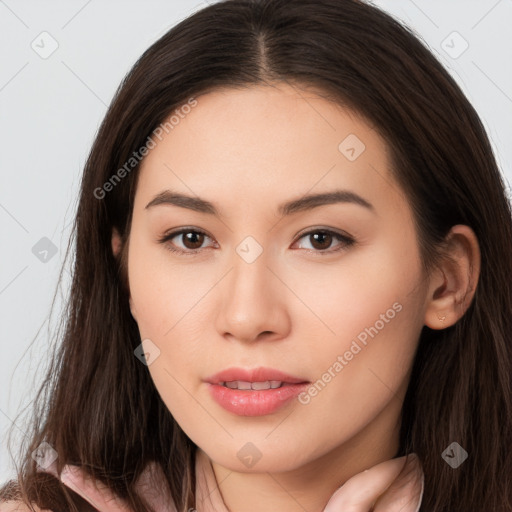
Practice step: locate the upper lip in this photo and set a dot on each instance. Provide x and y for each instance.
(260, 374)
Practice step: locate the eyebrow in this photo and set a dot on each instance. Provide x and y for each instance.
(168, 197)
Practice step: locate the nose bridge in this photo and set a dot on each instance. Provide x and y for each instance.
(250, 303)
(250, 276)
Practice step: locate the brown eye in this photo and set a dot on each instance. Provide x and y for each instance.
(192, 239)
(185, 241)
(322, 239)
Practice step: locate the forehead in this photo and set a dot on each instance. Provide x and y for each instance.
(266, 144)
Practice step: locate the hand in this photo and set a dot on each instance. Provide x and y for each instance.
(391, 486)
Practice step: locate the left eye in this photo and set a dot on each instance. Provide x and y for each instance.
(322, 237)
(194, 239)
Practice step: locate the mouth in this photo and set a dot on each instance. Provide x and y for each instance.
(254, 386)
(255, 392)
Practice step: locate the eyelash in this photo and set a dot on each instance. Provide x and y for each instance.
(346, 241)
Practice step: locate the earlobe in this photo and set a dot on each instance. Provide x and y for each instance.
(116, 242)
(454, 282)
(116, 250)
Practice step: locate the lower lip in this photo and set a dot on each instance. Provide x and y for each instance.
(255, 403)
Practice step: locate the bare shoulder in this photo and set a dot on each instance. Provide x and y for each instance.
(19, 506)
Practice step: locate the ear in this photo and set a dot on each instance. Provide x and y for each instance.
(116, 242)
(453, 283)
(117, 245)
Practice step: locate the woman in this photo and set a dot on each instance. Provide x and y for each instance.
(341, 300)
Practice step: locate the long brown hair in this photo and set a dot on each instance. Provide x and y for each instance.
(98, 407)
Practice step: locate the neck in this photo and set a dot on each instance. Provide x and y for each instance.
(310, 486)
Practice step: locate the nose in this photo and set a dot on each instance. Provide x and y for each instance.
(252, 301)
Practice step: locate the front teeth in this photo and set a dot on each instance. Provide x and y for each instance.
(240, 384)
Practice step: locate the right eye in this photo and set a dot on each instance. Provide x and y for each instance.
(191, 242)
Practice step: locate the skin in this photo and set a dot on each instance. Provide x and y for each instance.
(293, 309)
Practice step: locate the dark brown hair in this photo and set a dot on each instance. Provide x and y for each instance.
(98, 406)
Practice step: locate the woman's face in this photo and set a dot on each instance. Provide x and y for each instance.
(255, 284)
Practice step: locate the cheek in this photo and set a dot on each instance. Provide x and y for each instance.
(167, 300)
(364, 289)
(354, 298)
(373, 311)
(162, 292)
(361, 309)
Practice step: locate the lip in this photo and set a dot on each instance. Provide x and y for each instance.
(255, 402)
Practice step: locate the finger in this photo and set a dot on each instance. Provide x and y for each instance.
(96, 493)
(406, 492)
(359, 493)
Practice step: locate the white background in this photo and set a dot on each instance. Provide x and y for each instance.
(51, 108)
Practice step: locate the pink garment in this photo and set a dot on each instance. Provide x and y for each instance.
(209, 499)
